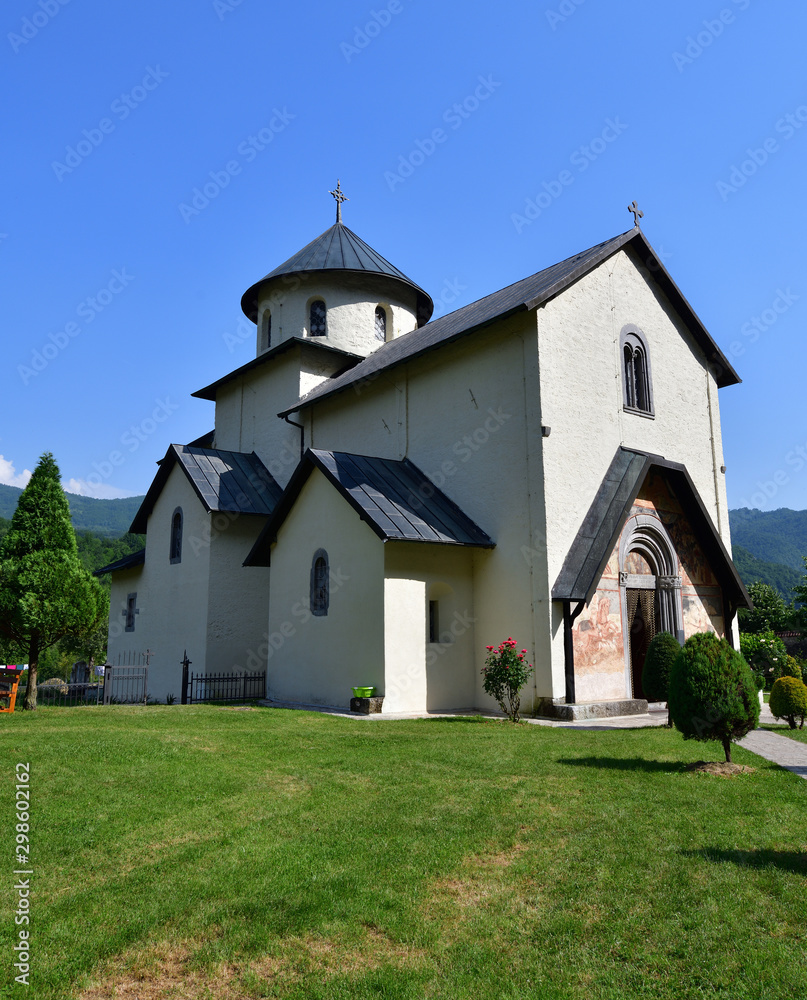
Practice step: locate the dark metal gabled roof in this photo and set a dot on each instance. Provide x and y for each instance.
(126, 562)
(337, 249)
(525, 294)
(601, 527)
(223, 480)
(395, 498)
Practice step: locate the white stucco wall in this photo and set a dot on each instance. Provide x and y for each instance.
(207, 604)
(421, 675)
(350, 303)
(581, 393)
(237, 596)
(317, 660)
(469, 416)
(247, 407)
(172, 598)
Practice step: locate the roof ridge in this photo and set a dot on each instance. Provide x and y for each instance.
(527, 293)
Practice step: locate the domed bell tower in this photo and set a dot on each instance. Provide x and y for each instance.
(338, 292)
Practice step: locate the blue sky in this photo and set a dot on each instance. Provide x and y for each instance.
(449, 126)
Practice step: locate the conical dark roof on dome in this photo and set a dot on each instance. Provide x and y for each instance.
(338, 249)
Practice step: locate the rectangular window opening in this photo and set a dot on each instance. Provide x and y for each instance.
(131, 611)
(434, 622)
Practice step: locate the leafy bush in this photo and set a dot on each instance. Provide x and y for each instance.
(770, 613)
(506, 672)
(764, 653)
(712, 694)
(663, 649)
(789, 700)
(790, 668)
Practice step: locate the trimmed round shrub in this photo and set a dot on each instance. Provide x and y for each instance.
(712, 693)
(663, 649)
(789, 700)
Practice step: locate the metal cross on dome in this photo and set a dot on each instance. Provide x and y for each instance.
(340, 197)
(637, 212)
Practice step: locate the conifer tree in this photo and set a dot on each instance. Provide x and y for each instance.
(45, 593)
(712, 694)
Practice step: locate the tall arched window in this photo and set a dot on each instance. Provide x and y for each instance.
(380, 323)
(266, 330)
(637, 391)
(176, 536)
(320, 584)
(316, 319)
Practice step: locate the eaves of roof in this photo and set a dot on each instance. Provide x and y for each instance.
(209, 391)
(529, 293)
(231, 481)
(396, 500)
(610, 509)
(126, 562)
(338, 249)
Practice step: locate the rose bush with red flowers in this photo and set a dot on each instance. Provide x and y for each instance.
(506, 671)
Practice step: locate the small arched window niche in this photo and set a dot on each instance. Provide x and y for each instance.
(637, 384)
(320, 584)
(380, 324)
(266, 330)
(317, 326)
(176, 536)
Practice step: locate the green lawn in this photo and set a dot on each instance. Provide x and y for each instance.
(211, 853)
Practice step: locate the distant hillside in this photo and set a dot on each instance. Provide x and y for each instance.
(776, 575)
(775, 536)
(107, 518)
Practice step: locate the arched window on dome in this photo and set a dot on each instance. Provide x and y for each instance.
(176, 536)
(316, 319)
(637, 388)
(266, 330)
(380, 323)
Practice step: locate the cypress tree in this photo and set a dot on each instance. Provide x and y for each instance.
(45, 593)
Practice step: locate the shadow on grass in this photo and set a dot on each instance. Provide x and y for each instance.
(787, 861)
(626, 764)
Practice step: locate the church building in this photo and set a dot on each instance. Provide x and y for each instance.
(384, 495)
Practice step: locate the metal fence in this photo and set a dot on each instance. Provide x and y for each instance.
(120, 685)
(64, 695)
(223, 687)
(126, 685)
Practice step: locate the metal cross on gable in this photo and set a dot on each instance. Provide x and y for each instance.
(340, 197)
(637, 212)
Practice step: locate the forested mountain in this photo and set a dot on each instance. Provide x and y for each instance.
(777, 575)
(108, 518)
(776, 536)
(768, 545)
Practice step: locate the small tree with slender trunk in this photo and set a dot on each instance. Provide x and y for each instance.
(712, 694)
(45, 593)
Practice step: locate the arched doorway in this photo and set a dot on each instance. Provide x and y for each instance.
(641, 619)
(651, 593)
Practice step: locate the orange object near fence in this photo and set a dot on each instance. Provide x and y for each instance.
(9, 682)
